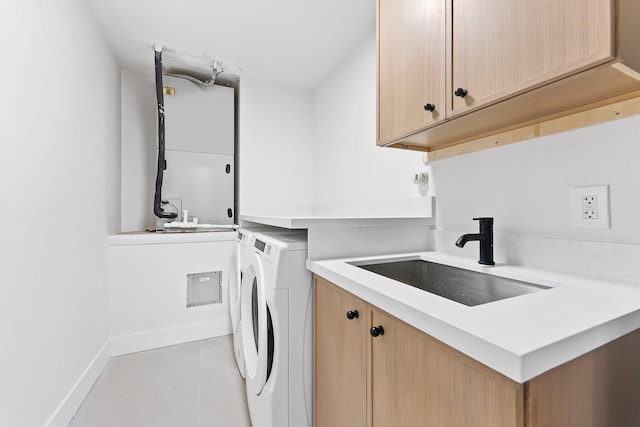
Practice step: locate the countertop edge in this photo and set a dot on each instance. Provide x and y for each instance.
(577, 345)
(129, 239)
(335, 222)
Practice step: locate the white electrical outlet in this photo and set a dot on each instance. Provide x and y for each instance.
(590, 207)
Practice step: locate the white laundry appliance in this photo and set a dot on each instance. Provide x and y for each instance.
(244, 239)
(277, 331)
(238, 261)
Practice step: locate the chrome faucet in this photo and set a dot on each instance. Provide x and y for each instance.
(485, 237)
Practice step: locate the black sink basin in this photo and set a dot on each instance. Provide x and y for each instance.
(464, 286)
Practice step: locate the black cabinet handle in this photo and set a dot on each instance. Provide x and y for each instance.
(376, 330)
(352, 314)
(460, 92)
(429, 107)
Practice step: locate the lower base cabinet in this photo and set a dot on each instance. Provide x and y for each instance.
(340, 358)
(373, 370)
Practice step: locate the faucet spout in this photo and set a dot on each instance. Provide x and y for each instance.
(462, 240)
(484, 237)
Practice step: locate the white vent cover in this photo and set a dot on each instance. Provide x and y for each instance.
(204, 288)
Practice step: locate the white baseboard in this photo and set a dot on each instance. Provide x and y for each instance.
(133, 343)
(72, 401)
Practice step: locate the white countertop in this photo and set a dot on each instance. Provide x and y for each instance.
(416, 211)
(150, 238)
(331, 221)
(520, 337)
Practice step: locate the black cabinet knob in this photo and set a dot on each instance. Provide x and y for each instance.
(352, 314)
(429, 107)
(376, 330)
(460, 92)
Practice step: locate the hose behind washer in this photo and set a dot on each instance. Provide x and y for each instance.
(162, 163)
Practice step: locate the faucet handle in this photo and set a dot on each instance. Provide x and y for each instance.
(484, 220)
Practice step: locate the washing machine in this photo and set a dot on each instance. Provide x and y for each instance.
(236, 268)
(277, 331)
(234, 280)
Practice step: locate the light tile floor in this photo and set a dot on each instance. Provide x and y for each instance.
(189, 385)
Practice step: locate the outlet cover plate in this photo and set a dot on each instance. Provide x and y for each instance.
(590, 207)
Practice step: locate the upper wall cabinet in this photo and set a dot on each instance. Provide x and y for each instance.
(505, 64)
(502, 47)
(411, 65)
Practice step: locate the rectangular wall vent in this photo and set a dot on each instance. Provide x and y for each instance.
(204, 288)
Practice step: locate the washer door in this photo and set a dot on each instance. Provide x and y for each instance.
(255, 336)
(234, 282)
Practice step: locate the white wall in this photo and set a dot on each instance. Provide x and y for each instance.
(139, 121)
(60, 140)
(348, 167)
(276, 147)
(147, 291)
(526, 188)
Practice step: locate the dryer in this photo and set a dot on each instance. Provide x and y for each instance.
(234, 280)
(277, 331)
(236, 269)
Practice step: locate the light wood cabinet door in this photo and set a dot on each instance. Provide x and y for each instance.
(340, 365)
(597, 389)
(411, 66)
(504, 47)
(418, 381)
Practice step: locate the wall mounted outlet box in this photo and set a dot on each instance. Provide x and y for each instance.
(590, 207)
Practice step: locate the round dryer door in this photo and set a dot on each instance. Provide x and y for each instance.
(234, 282)
(257, 331)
